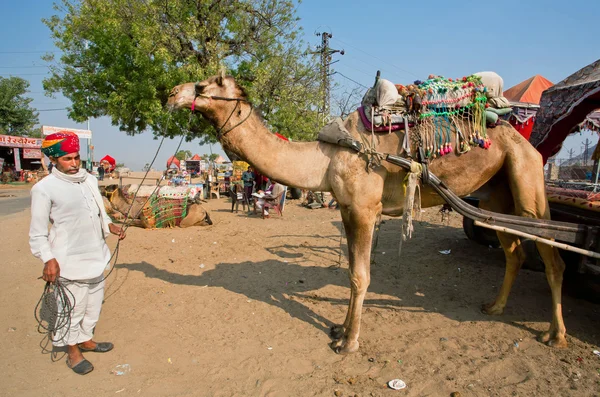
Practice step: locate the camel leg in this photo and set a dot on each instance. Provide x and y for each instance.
(555, 267)
(376, 230)
(526, 182)
(500, 200)
(358, 224)
(513, 251)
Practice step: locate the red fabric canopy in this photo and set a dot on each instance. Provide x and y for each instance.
(173, 160)
(528, 91)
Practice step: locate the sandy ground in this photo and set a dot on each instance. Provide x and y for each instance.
(243, 308)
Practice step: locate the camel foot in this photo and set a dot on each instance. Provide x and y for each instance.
(557, 341)
(336, 332)
(492, 309)
(343, 346)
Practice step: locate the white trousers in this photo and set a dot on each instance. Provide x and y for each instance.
(260, 204)
(87, 306)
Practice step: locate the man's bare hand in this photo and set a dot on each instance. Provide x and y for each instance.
(117, 230)
(51, 271)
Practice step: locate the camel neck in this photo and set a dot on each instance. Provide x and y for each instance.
(298, 164)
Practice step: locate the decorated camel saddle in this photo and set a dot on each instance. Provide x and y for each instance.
(429, 113)
(165, 206)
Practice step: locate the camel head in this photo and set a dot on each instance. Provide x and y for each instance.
(203, 94)
(108, 191)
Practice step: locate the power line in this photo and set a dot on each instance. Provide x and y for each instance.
(373, 56)
(354, 81)
(49, 110)
(25, 52)
(21, 67)
(23, 74)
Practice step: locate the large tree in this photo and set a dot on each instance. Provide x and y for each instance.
(16, 116)
(120, 58)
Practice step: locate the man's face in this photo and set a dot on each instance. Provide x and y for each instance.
(67, 164)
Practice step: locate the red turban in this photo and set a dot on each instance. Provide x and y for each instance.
(60, 144)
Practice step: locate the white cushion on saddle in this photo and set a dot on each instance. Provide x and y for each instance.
(493, 82)
(387, 93)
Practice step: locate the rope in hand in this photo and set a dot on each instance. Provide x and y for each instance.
(54, 309)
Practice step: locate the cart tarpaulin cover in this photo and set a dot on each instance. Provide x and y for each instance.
(563, 107)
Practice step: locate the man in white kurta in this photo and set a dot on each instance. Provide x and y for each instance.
(74, 251)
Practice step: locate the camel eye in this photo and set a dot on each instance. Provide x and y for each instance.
(199, 88)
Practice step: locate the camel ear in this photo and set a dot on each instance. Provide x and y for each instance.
(221, 77)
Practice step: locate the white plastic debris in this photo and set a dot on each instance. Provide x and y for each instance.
(396, 384)
(596, 352)
(445, 252)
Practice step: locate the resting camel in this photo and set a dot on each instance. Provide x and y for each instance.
(510, 173)
(141, 215)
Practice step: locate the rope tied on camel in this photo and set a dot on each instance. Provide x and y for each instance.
(411, 190)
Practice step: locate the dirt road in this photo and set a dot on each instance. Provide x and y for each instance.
(243, 307)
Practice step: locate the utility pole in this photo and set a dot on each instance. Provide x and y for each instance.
(586, 146)
(326, 54)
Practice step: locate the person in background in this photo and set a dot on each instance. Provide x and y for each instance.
(74, 251)
(101, 172)
(260, 181)
(274, 190)
(248, 178)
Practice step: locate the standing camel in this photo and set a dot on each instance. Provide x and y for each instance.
(510, 172)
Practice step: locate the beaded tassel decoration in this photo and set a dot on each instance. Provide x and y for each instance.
(445, 102)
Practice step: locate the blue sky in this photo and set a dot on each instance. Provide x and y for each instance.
(405, 40)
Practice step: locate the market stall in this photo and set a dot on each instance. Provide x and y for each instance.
(20, 158)
(525, 101)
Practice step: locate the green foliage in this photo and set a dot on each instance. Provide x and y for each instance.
(183, 155)
(16, 116)
(125, 56)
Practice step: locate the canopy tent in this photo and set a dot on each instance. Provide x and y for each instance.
(173, 162)
(194, 164)
(110, 161)
(566, 108)
(525, 99)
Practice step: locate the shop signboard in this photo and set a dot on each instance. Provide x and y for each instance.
(32, 154)
(20, 141)
(83, 134)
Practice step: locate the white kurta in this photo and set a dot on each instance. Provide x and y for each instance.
(76, 238)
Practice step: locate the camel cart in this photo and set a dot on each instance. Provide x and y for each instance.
(565, 108)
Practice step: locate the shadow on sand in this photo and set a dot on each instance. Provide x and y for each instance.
(295, 283)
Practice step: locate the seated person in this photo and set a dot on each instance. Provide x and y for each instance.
(273, 190)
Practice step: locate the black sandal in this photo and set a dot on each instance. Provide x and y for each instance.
(101, 347)
(83, 367)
